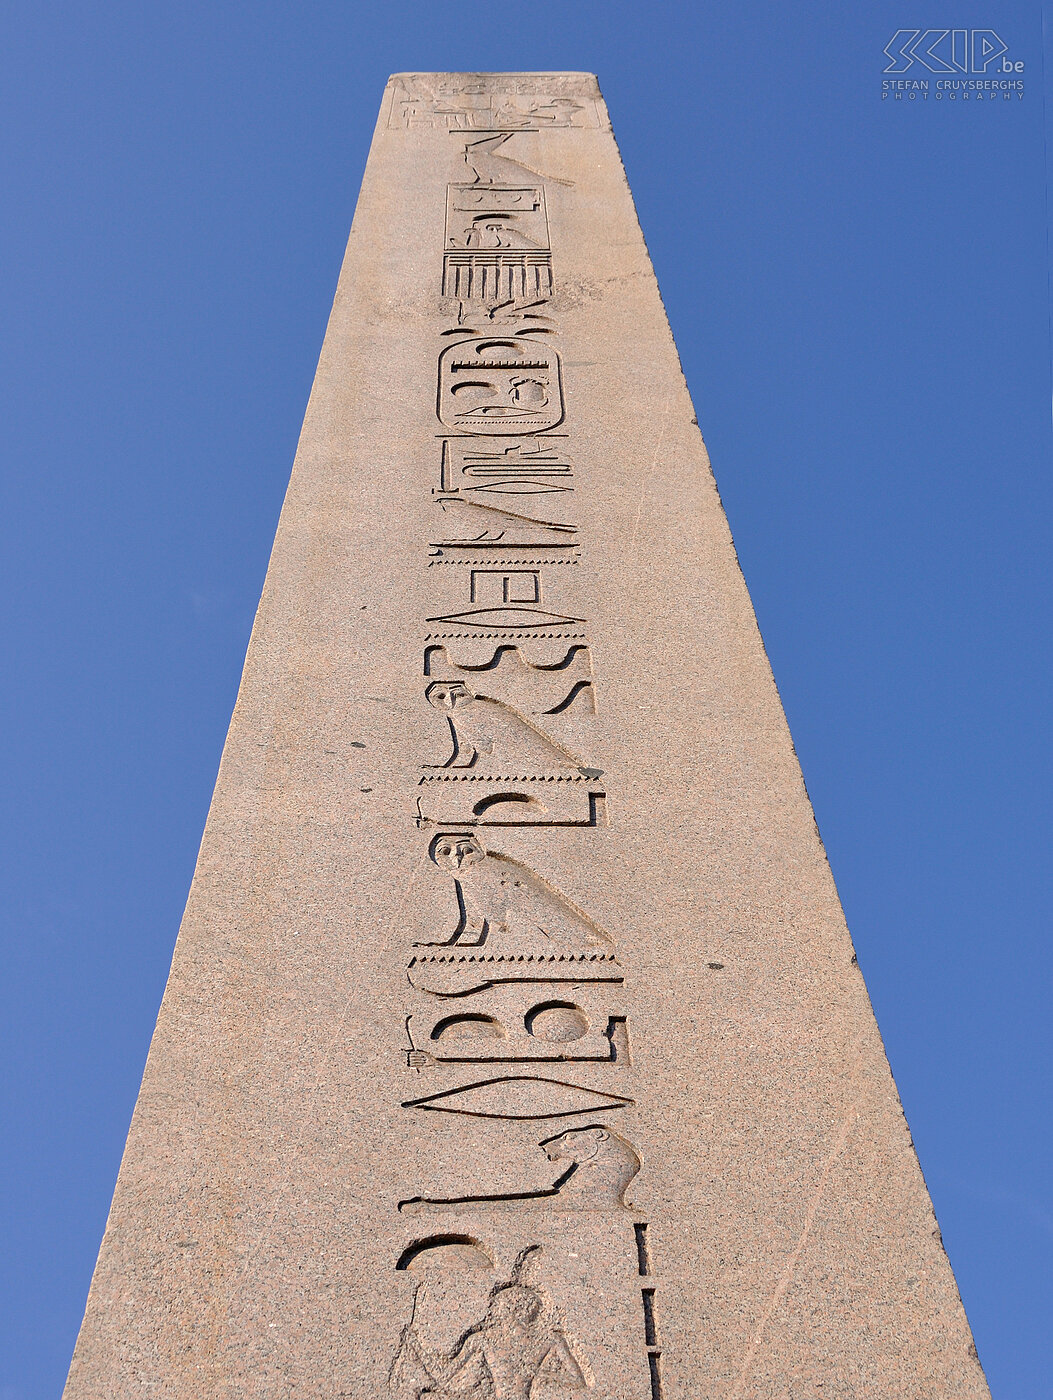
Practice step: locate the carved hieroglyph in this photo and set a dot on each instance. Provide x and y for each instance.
(514, 1048)
(500, 386)
(494, 101)
(523, 472)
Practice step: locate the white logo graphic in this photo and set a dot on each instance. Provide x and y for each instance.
(949, 51)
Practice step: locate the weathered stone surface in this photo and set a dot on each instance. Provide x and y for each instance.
(514, 1044)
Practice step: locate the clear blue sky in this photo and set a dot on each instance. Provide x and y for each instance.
(859, 292)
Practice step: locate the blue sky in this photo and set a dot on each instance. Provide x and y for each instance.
(859, 293)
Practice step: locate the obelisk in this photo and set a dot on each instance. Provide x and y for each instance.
(514, 1046)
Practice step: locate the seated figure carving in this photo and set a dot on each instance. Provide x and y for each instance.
(517, 1347)
(502, 905)
(493, 739)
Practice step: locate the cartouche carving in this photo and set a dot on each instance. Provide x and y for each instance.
(601, 1166)
(500, 386)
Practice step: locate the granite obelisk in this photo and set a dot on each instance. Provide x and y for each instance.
(514, 1046)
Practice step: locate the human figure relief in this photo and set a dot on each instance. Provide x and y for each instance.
(492, 738)
(502, 904)
(517, 1345)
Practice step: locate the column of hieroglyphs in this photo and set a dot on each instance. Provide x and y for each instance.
(519, 1012)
